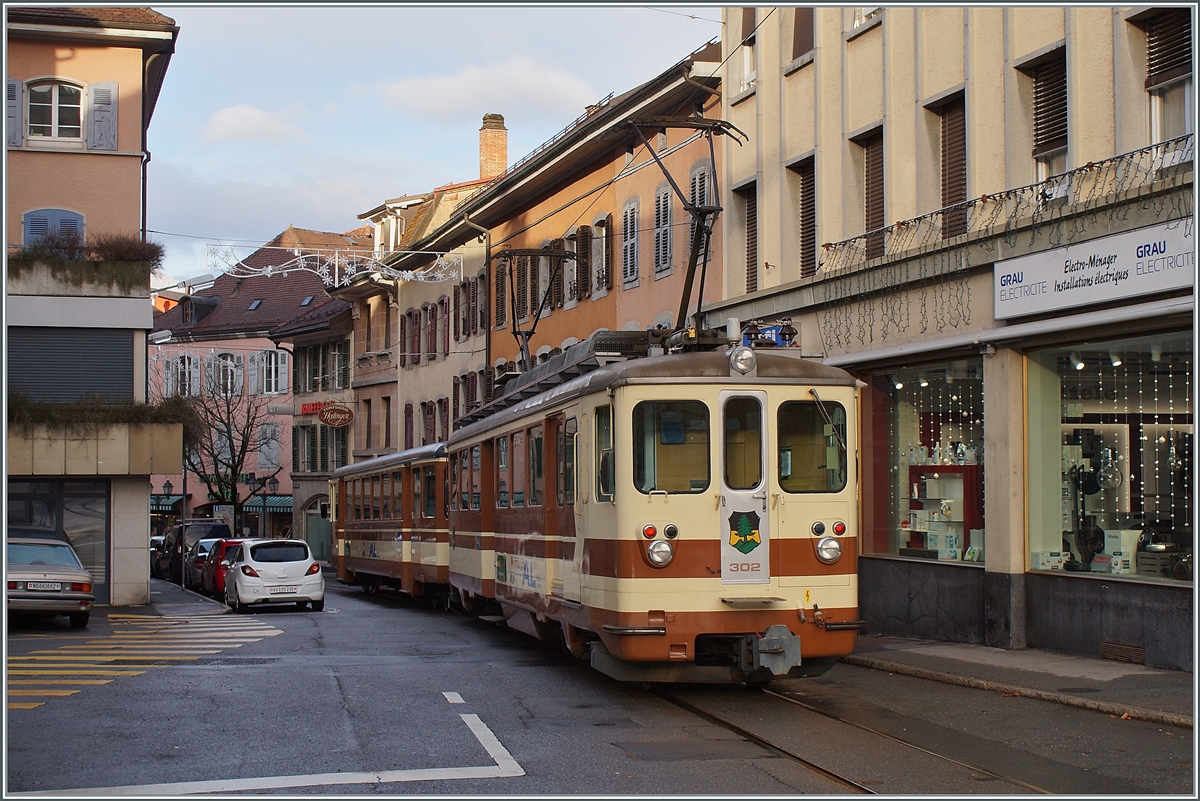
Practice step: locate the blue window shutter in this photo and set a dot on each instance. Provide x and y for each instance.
(38, 224)
(102, 116)
(14, 119)
(282, 371)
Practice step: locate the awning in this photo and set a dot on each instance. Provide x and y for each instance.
(275, 503)
(164, 503)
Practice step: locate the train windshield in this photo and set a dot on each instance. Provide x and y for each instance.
(670, 446)
(810, 456)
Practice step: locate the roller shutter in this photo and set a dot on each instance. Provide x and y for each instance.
(71, 365)
(1050, 105)
(1168, 47)
(954, 167)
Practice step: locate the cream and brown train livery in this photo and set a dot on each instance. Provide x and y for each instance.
(681, 517)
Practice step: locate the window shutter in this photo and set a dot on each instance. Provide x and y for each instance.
(443, 404)
(444, 303)
(751, 196)
(37, 225)
(873, 160)
(1050, 106)
(808, 218)
(344, 362)
(322, 447)
(489, 383)
(954, 168)
(193, 370)
(699, 197)
(474, 307)
(325, 372)
(312, 465)
(583, 261)
(557, 248)
(414, 333)
(14, 107)
(457, 312)
(802, 33)
(342, 436)
(296, 450)
(296, 371)
(483, 302)
(629, 232)
(471, 395)
(431, 331)
(454, 397)
(608, 252)
(535, 285)
(1168, 47)
(502, 292)
(256, 359)
(408, 426)
(170, 370)
(239, 373)
(747, 26)
(102, 116)
(522, 298)
(662, 231)
(282, 370)
(430, 424)
(403, 340)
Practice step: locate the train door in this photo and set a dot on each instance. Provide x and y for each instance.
(563, 572)
(745, 534)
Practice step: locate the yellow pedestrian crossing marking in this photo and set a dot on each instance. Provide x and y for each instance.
(138, 643)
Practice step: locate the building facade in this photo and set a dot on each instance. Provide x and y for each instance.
(1025, 331)
(81, 89)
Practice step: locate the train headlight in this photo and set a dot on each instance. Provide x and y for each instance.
(829, 550)
(660, 553)
(742, 359)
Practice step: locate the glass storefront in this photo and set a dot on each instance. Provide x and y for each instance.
(76, 510)
(1111, 457)
(926, 465)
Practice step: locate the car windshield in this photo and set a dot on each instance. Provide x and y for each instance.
(215, 531)
(279, 552)
(31, 554)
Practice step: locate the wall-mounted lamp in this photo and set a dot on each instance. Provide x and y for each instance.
(1156, 352)
(1075, 360)
(1115, 358)
(922, 380)
(897, 383)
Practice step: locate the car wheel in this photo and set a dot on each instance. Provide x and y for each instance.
(79, 620)
(318, 606)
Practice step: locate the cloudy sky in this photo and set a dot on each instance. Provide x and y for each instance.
(309, 116)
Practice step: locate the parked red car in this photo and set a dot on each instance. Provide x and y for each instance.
(212, 577)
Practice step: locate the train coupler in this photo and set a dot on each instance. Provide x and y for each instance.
(776, 650)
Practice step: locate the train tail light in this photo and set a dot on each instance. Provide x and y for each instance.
(839, 528)
(660, 552)
(649, 532)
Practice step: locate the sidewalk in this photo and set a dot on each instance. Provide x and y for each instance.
(168, 600)
(1115, 688)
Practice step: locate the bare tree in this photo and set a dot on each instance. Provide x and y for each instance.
(233, 426)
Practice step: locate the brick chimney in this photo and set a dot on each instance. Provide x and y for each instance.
(493, 146)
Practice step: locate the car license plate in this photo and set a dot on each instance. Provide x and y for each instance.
(52, 586)
(282, 590)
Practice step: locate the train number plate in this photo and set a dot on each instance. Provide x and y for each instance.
(51, 586)
(282, 590)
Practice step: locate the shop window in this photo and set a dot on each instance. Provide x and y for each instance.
(925, 476)
(1111, 458)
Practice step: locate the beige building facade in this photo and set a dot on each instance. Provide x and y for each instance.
(986, 214)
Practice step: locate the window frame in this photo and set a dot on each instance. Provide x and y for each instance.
(54, 124)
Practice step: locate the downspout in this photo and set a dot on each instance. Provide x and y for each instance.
(487, 276)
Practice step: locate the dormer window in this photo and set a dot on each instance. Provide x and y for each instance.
(255, 304)
(307, 300)
(189, 312)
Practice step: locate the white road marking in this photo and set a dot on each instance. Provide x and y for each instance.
(454, 698)
(505, 767)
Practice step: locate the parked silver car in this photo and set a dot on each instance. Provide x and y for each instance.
(45, 577)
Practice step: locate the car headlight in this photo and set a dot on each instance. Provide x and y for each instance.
(742, 359)
(660, 553)
(829, 550)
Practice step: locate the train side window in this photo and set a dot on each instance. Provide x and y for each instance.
(519, 474)
(463, 481)
(376, 497)
(446, 491)
(356, 497)
(605, 467)
(416, 475)
(811, 457)
(398, 495)
(567, 479)
(430, 492)
(560, 462)
(536, 466)
(385, 481)
(502, 473)
(476, 471)
(452, 487)
(670, 447)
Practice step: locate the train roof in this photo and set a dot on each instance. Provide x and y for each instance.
(419, 454)
(593, 368)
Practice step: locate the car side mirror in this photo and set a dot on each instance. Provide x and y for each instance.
(225, 563)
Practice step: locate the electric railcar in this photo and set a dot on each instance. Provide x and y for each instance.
(690, 517)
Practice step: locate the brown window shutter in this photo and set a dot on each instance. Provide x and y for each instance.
(415, 334)
(474, 310)
(802, 33)
(430, 424)
(471, 395)
(431, 342)
(502, 292)
(408, 426)
(445, 304)
(482, 281)
(1050, 106)
(454, 396)
(954, 167)
(535, 284)
(751, 196)
(522, 298)
(583, 260)
(608, 251)
(489, 383)
(402, 357)
(808, 218)
(457, 311)
(748, 25)
(873, 159)
(1168, 47)
(445, 417)
(557, 247)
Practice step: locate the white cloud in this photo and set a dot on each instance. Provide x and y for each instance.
(245, 123)
(518, 86)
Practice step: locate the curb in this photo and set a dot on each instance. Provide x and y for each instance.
(1117, 710)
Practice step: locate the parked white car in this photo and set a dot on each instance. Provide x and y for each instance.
(273, 572)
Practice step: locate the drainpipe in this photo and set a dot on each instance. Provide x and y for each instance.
(487, 276)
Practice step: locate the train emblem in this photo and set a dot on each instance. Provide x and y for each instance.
(743, 531)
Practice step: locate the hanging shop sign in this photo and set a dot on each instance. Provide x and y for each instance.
(336, 416)
(1155, 259)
